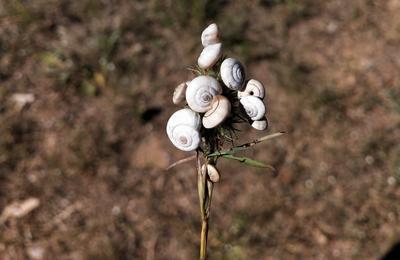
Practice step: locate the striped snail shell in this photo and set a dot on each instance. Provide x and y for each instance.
(210, 35)
(220, 110)
(210, 55)
(254, 107)
(253, 88)
(212, 172)
(200, 93)
(183, 129)
(232, 74)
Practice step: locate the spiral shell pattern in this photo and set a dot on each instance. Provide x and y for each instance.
(254, 107)
(200, 93)
(185, 138)
(183, 129)
(253, 88)
(232, 74)
(220, 110)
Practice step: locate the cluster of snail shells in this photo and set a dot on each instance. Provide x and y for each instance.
(203, 94)
(251, 99)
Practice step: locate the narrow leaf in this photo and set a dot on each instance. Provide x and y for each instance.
(245, 146)
(248, 161)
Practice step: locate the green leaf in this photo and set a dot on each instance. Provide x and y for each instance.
(245, 146)
(248, 161)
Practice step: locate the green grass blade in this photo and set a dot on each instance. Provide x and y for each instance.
(248, 161)
(245, 146)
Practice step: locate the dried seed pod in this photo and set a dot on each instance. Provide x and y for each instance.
(179, 93)
(254, 107)
(253, 88)
(212, 172)
(210, 55)
(220, 110)
(200, 93)
(183, 129)
(210, 35)
(232, 74)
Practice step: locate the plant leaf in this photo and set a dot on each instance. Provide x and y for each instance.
(248, 161)
(246, 145)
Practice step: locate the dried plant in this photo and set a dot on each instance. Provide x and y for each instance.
(215, 101)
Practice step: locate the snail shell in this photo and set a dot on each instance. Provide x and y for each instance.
(210, 55)
(210, 35)
(179, 93)
(260, 124)
(254, 107)
(185, 138)
(183, 129)
(212, 172)
(200, 93)
(253, 88)
(220, 109)
(185, 116)
(232, 74)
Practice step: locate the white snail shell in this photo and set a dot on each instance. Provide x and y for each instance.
(260, 124)
(210, 55)
(200, 93)
(210, 35)
(179, 93)
(212, 172)
(185, 116)
(232, 74)
(253, 88)
(183, 129)
(220, 109)
(254, 107)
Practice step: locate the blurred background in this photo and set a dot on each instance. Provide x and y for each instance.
(85, 93)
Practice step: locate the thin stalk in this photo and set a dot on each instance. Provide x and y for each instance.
(184, 160)
(203, 239)
(205, 188)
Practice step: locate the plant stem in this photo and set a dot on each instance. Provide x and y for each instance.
(205, 188)
(184, 160)
(203, 239)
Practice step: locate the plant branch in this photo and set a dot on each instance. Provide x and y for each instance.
(184, 160)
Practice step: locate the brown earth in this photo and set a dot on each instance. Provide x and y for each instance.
(90, 144)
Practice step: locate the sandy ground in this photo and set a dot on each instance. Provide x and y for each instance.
(85, 93)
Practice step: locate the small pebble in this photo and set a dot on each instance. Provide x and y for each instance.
(309, 184)
(369, 159)
(391, 180)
